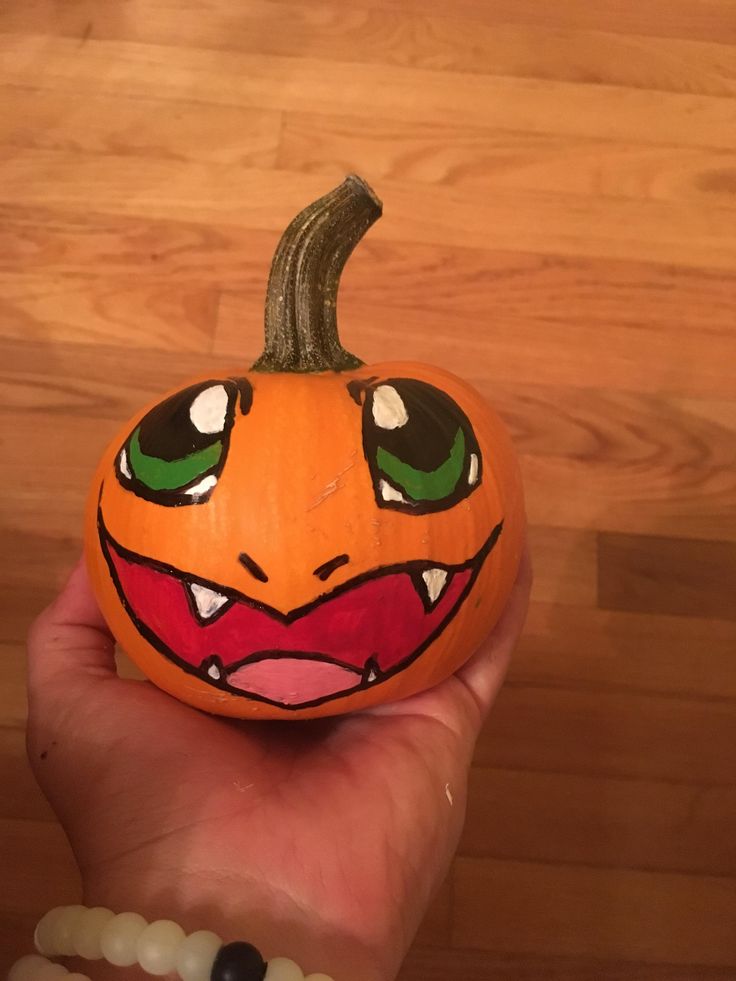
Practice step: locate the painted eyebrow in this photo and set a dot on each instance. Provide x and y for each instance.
(358, 387)
(245, 391)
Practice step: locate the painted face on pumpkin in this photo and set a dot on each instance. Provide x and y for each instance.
(420, 457)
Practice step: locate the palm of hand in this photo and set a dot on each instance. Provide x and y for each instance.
(339, 828)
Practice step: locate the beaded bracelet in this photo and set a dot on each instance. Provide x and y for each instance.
(162, 947)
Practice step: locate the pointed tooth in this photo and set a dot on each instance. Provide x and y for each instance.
(435, 581)
(208, 600)
(371, 672)
(214, 672)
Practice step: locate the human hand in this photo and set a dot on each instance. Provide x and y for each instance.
(323, 841)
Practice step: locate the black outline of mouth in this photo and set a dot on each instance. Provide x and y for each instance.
(413, 569)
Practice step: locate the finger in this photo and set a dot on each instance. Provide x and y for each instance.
(484, 673)
(69, 641)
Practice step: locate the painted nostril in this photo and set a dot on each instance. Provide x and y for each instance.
(252, 566)
(327, 568)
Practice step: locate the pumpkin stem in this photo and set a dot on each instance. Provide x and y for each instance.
(301, 299)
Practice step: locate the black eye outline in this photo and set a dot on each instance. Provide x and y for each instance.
(447, 414)
(239, 392)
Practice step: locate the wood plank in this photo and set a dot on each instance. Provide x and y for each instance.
(144, 127)
(50, 879)
(655, 574)
(51, 244)
(621, 735)
(24, 800)
(706, 19)
(426, 964)
(615, 228)
(581, 648)
(13, 709)
(576, 911)
(267, 81)
(141, 313)
(460, 41)
(498, 161)
(641, 462)
(565, 565)
(590, 820)
(460, 156)
(41, 562)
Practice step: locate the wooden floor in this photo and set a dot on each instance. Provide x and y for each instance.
(559, 181)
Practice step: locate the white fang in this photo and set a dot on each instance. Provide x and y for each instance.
(208, 411)
(371, 676)
(389, 493)
(124, 468)
(205, 484)
(473, 469)
(208, 600)
(214, 672)
(389, 412)
(435, 580)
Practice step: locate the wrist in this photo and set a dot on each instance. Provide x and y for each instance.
(250, 911)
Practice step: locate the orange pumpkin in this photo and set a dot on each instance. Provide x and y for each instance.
(314, 536)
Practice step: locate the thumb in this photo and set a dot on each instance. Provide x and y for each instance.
(69, 644)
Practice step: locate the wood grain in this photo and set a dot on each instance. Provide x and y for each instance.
(559, 182)
(393, 92)
(439, 40)
(613, 913)
(629, 735)
(587, 820)
(664, 575)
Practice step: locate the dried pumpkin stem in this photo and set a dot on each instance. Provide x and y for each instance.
(301, 300)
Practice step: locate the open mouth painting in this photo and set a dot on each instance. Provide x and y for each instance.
(351, 638)
(314, 536)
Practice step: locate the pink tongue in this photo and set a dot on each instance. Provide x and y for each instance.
(293, 680)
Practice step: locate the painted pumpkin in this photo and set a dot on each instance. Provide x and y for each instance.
(313, 536)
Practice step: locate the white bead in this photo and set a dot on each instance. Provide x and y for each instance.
(44, 937)
(52, 972)
(318, 977)
(196, 955)
(62, 942)
(87, 932)
(35, 968)
(30, 968)
(282, 969)
(120, 938)
(157, 946)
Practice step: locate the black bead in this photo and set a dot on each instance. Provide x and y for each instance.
(238, 962)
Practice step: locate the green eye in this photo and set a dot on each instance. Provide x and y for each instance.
(176, 454)
(422, 485)
(420, 447)
(171, 475)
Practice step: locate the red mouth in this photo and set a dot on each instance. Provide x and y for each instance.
(353, 637)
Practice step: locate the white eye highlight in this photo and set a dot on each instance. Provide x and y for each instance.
(204, 485)
(389, 493)
(208, 411)
(473, 469)
(389, 412)
(123, 462)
